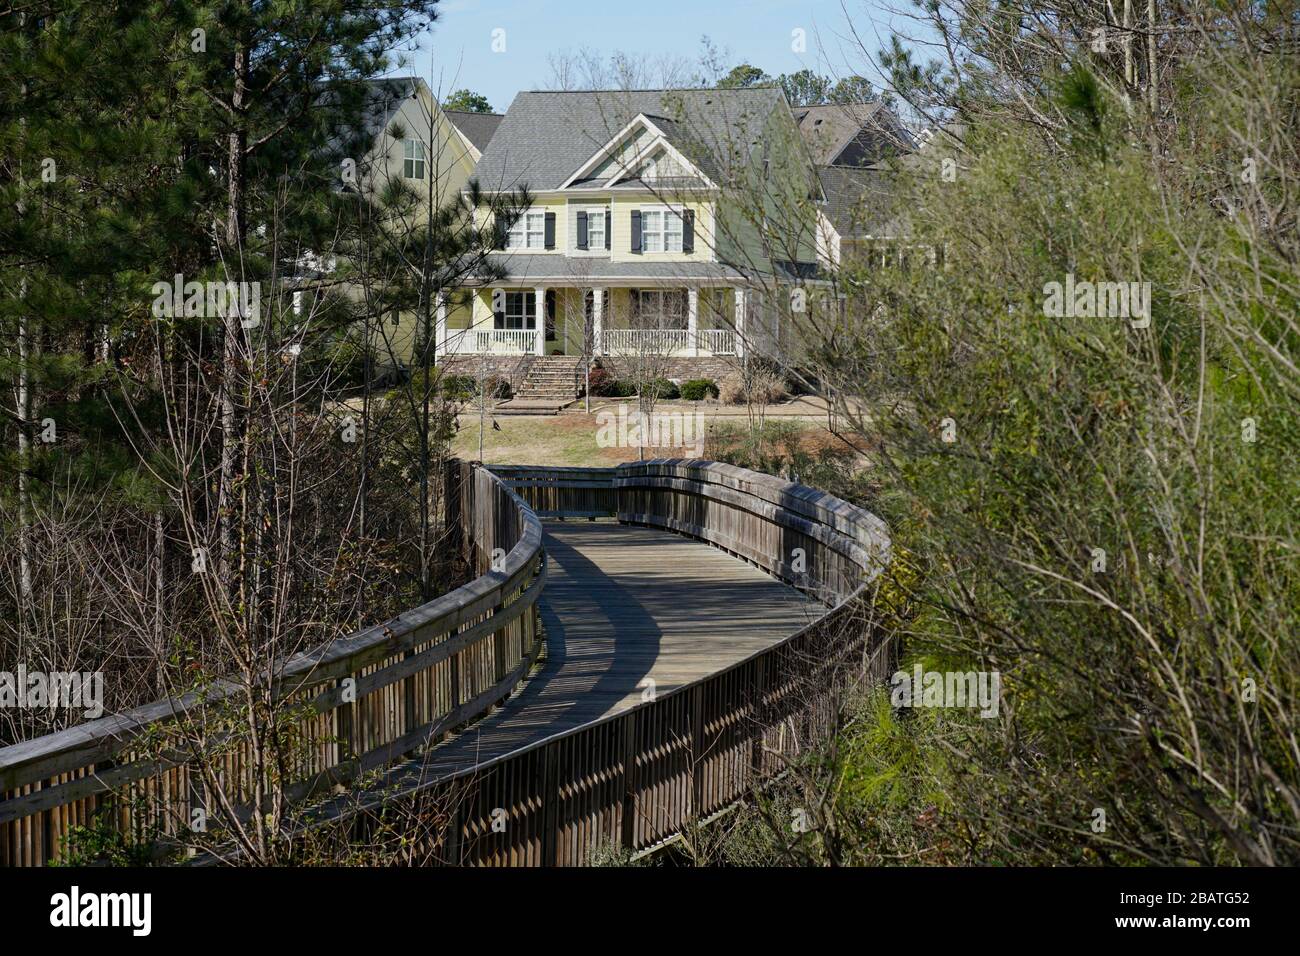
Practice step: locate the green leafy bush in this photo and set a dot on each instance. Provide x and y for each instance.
(663, 389)
(460, 388)
(699, 389)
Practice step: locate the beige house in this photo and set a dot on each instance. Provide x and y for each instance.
(635, 240)
(652, 217)
(432, 151)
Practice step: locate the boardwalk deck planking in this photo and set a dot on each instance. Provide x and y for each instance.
(623, 604)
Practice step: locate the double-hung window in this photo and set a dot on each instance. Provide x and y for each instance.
(528, 232)
(596, 227)
(413, 162)
(659, 308)
(517, 311)
(661, 230)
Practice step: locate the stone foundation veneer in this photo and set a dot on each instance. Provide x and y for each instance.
(679, 369)
(515, 367)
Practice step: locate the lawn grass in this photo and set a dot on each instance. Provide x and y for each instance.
(537, 440)
(565, 440)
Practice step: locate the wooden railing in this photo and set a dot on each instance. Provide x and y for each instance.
(716, 341)
(630, 780)
(644, 341)
(562, 492)
(635, 779)
(365, 699)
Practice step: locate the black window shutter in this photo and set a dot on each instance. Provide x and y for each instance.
(550, 313)
(499, 314)
(499, 233)
(636, 230)
(582, 230)
(550, 230)
(608, 222)
(688, 230)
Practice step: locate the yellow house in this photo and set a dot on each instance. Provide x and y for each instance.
(430, 151)
(644, 230)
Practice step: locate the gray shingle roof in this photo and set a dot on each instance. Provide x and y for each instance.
(521, 268)
(859, 201)
(477, 127)
(546, 136)
(851, 134)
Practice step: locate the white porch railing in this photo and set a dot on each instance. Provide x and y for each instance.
(490, 341)
(643, 341)
(665, 342)
(674, 342)
(716, 341)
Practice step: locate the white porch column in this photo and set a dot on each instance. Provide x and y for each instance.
(539, 312)
(740, 321)
(440, 328)
(597, 319)
(692, 321)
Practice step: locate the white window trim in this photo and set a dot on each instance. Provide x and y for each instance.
(517, 237)
(527, 318)
(417, 162)
(595, 214)
(663, 232)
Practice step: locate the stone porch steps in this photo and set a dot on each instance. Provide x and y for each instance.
(551, 380)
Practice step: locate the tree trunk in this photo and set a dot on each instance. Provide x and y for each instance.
(1151, 56)
(237, 142)
(24, 403)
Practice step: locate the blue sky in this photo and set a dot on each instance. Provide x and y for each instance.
(460, 44)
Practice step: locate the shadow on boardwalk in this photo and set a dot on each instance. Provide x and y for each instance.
(624, 607)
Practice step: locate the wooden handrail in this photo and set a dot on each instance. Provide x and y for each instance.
(482, 635)
(640, 776)
(635, 778)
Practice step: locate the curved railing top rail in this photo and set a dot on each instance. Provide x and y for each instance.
(46, 756)
(860, 537)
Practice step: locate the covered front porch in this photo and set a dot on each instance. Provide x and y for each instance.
(665, 319)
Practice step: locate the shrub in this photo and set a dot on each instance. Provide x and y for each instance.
(343, 362)
(764, 387)
(663, 389)
(699, 389)
(498, 387)
(459, 388)
(732, 389)
(601, 382)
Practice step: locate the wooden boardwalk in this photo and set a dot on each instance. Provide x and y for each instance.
(624, 605)
(671, 671)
